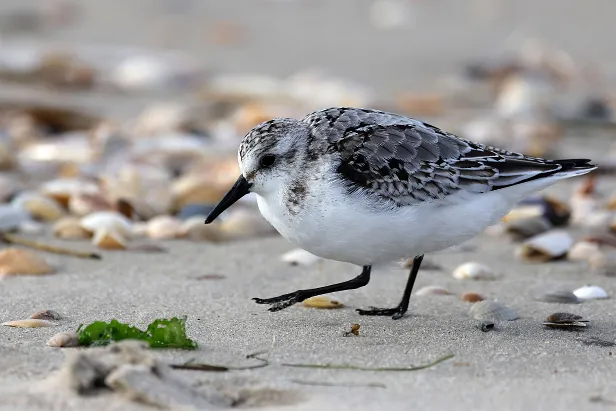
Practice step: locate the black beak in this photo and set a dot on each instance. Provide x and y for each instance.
(239, 190)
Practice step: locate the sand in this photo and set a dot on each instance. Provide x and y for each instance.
(521, 365)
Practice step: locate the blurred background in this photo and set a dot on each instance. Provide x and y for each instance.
(146, 101)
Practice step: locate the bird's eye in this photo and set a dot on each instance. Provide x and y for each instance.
(267, 160)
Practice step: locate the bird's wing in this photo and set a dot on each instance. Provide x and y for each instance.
(405, 161)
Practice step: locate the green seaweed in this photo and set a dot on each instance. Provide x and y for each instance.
(161, 333)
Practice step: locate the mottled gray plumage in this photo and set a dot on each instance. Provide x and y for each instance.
(400, 160)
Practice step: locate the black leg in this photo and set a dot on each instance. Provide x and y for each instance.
(286, 300)
(397, 312)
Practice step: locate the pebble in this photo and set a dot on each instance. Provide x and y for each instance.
(16, 261)
(472, 297)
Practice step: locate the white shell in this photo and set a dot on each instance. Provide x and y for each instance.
(547, 246)
(473, 271)
(433, 290)
(583, 251)
(108, 240)
(590, 292)
(492, 311)
(29, 323)
(108, 220)
(299, 256)
(65, 339)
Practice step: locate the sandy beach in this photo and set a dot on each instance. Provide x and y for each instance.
(520, 365)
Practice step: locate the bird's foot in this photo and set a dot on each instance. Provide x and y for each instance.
(282, 301)
(395, 313)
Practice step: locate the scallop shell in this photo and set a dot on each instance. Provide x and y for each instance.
(69, 228)
(64, 339)
(109, 240)
(583, 251)
(15, 261)
(322, 301)
(590, 292)
(559, 297)
(433, 290)
(546, 247)
(524, 228)
(473, 271)
(108, 220)
(164, 227)
(46, 315)
(472, 297)
(299, 256)
(29, 323)
(492, 311)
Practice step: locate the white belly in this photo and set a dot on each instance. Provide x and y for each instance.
(343, 228)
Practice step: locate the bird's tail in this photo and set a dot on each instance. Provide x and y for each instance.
(574, 167)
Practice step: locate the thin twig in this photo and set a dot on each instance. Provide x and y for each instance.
(189, 365)
(360, 368)
(339, 384)
(13, 239)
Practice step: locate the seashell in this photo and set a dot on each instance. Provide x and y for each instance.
(11, 217)
(473, 271)
(590, 292)
(46, 315)
(15, 261)
(299, 256)
(492, 311)
(108, 240)
(108, 220)
(69, 228)
(554, 210)
(82, 204)
(140, 229)
(193, 210)
(195, 230)
(191, 189)
(546, 247)
(471, 297)
(583, 251)
(63, 189)
(432, 290)
(64, 339)
(163, 227)
(245, 224)
(565, 320)
(523, 228)
(485, 325)
(559, 297)
(29, 323)
(8, 187)
(603, 263)
(322, 301)
(38, 206)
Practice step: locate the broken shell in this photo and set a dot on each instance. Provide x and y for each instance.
(164, 227)
(485, 325)
(64, 339)
(583, 251)
(108, 240)
(473, 271)
(492, 311)
(546, 247)
(563, 318)
(590, 292)
(29, 323)
(46, 315)
(82, 204)
(108, 220)
(432, 290)
(39, 207)
(560, 297)
(69, 228)
(299, 256)
(322, 301)
(521, 229)
(472, 297)
(15, 261)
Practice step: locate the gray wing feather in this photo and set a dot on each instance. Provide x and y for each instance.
(406, 161)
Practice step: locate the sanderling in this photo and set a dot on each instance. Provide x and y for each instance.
(365, 187)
